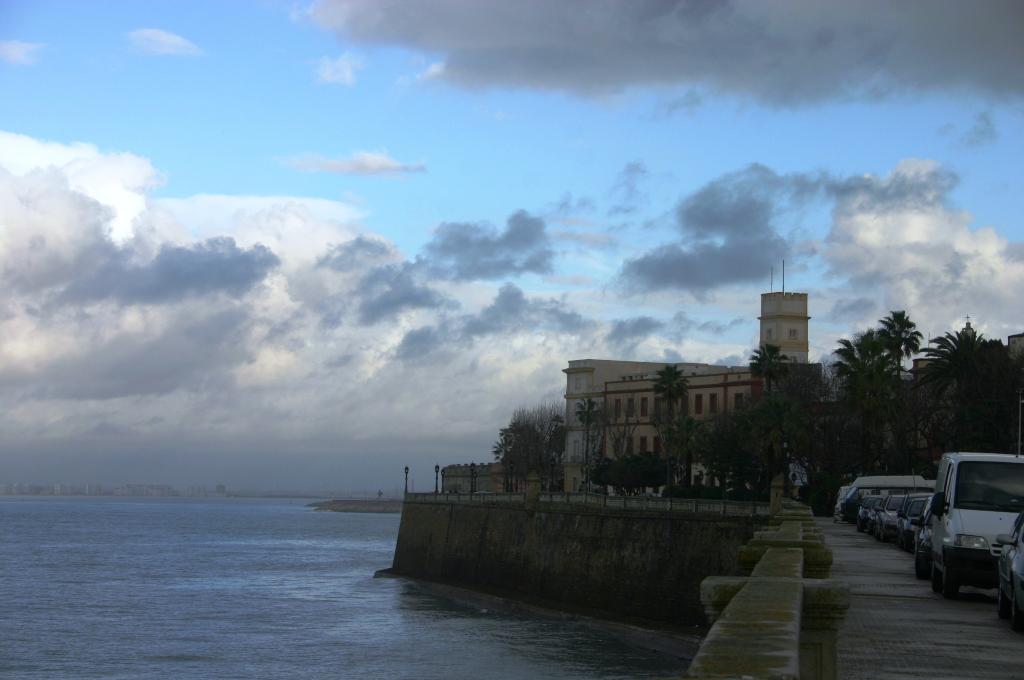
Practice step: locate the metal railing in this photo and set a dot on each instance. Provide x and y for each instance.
(468, 498)
(688, 505)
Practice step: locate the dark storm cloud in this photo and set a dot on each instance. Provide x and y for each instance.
(626, 191)
(626, 333)
(419, 342)
(469, 251)
(394, 288)
(688, 102)
(216, 265)
(356, 254)
(192, 353)
(774, 51)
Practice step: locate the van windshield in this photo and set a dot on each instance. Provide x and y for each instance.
(990, 486)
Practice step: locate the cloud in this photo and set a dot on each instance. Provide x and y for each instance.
(340, 70)
(357, 253)
(763, 50)
(214, 266)
(983, 131)
(852, 309)
(163, 43)
(18, 52)
(509, 314)
(359, 163)
(468, 251)
(626, 334)
(394, 288)
(728, 232)
(626, 190)
(688, 103)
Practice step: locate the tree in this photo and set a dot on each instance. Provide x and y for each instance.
(863, 366)
(770, 364)
(901, 338)
(671, 388)
(533, 441)
(589, 415)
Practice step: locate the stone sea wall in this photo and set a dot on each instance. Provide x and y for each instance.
(632, 563)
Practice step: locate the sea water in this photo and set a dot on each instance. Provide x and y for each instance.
(228, 588)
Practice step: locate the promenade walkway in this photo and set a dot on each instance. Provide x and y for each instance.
(898, 628)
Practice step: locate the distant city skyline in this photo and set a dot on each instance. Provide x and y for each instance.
(311, 243)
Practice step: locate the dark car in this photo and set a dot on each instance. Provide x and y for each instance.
(1010, 567)
(912, 507)
(885, 517)
(867, 504)
(923, 542)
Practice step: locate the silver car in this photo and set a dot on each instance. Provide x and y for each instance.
(1010, 568)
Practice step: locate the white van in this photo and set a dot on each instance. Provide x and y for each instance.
(977, 496)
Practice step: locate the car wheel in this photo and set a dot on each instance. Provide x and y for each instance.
(1002, 603)
(1016, 617)
(950, 587)
(920, 570)
(936, 579)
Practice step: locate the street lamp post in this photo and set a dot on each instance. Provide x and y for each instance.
(407, 479)
(443, 487)
(512, 476)
(1020, 400)
(437, 469)
(472, 477)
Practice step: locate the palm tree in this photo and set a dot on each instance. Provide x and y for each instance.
(671, 385)
(901, 337)
(769, 363)
(864, 366)
(953, 359)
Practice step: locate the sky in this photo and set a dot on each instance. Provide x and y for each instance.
(300, 245)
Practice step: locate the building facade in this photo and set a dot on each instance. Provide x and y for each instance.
(489, 478)
(624, 390)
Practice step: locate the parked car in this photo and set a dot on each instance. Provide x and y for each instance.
(837, 511)
(1010, 572)
(864, 487)
(885, 519)
(874, 513)
(864, 514)
(978, 496)
(913, 506)
(923, 542)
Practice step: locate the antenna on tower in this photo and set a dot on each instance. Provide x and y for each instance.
(783, 277)
(771, 285)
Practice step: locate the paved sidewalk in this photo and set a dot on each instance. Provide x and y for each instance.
(898, 628)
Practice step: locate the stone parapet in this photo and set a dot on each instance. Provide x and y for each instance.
(781, 620)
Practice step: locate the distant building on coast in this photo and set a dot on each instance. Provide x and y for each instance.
(489, 477)
(625, 389)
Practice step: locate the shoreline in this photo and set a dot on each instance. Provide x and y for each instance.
(679, 643)
(387, 505)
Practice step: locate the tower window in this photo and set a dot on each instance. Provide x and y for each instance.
(768, 334)
(792, 334)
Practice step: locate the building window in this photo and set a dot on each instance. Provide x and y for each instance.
(768, 334)
(575, 449)
(630, 407)
(657, 406)
(618, 409)
(792, 334)
(657, 445)
(713, 403)
(737, 401)
(698, 404)
(643, 407)
(577, 383)
(643, 444)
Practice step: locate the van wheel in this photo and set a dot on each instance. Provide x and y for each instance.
(1002, 603)
(936, 579)
(950, 587)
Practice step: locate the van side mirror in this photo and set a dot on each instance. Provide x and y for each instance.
(1003, 539)
(917, 521)
(938, 504)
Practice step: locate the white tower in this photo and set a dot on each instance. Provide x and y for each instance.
(784, 323)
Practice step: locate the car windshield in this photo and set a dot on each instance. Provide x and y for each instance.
(916, 508)
(990, 486)
(894, 503)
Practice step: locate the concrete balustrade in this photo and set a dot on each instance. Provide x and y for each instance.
(779, 622)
